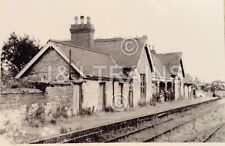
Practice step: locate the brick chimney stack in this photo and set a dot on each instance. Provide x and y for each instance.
(82, 34)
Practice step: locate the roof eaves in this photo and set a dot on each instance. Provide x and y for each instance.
(67, 60)
(33, 60)
(78, 47)
(40, 53)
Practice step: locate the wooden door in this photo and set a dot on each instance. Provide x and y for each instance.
(102, 96)
(77, 98)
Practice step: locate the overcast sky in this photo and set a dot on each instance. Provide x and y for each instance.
(195, 27)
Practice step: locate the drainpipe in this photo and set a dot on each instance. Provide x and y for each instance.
(70, 65)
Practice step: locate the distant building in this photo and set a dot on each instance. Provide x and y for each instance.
(188, 86)
(169, 73)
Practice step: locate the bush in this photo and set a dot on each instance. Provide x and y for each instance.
(109, 109)
(152, 102)
(168, 96)
(37, 115)
(41, 86)
(87, 111)
(55, 110)
(155, 97)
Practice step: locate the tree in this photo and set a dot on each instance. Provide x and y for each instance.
(17, 52)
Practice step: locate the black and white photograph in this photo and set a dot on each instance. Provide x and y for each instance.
(112, 71)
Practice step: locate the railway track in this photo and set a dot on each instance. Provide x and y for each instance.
(115, 139)
(213, 132)
(207, 135)
(99, 134)
(150, 133)
(151, 139)
(150, 136)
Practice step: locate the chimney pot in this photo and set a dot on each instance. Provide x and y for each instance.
(76, 20)
(88, 20)
(82, 19)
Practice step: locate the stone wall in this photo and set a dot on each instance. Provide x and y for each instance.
(60, 93)
(15, 100)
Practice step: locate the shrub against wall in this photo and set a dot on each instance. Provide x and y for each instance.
(40, 114)
(13, 121)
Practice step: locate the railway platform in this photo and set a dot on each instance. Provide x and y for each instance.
(104, 118)
(82, 123)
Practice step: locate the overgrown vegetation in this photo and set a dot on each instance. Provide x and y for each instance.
(39, 114)
(35, 115)
(87, 111)
(109, 109)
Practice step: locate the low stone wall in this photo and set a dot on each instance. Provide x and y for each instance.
(15, 100)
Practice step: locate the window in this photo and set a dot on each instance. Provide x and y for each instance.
(143, 85)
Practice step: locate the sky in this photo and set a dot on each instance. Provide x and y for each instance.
(194, 27)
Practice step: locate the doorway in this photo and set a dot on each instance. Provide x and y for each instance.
(102, 96)
(77, 98)
(131, 96)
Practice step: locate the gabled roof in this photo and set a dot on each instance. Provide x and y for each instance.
(105, 53)
(171, 60)
(79, 57)
(188, 79)
(160, 69)
(40, 53)
(113, 46)
(165, 62)
(88, 59)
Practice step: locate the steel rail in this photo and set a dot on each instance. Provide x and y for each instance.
(213, 132)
